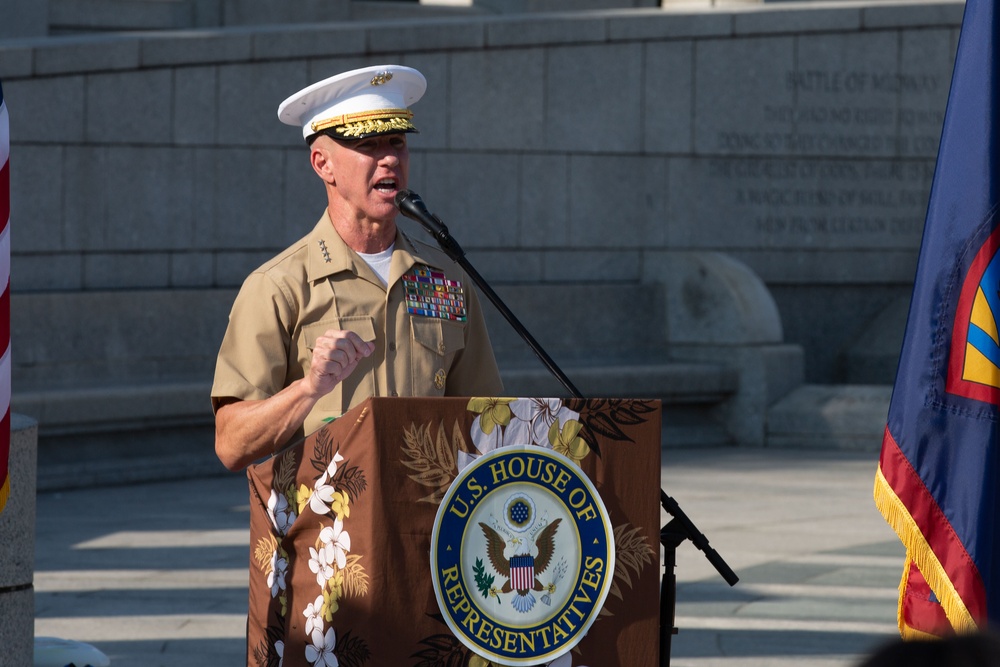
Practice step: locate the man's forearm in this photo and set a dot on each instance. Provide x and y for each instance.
(249, 430)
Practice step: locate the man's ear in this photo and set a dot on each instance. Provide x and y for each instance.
(321, 160)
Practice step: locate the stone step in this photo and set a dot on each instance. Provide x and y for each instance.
(693, 426)
(117, 407)
(127, 407)
(690, 393)
(130, 433)
(845, 417)
(671, 382)
(83, 16)
(121, 434)
(148, 442)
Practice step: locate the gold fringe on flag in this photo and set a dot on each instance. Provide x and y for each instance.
(4, 492)
(905, 631)
(921, 554)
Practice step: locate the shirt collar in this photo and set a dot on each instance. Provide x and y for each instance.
(329, 255)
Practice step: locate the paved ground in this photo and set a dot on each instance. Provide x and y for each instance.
(818, 566)
(155, 575)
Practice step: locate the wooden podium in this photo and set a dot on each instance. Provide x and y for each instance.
(341, 526)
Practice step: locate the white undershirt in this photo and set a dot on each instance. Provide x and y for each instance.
(379, 262)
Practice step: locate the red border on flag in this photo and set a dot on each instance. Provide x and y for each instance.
(935, 533)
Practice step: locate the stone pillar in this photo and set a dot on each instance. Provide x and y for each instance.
(17, 546)
(522, 6)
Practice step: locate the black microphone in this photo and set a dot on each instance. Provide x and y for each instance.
(412, 206)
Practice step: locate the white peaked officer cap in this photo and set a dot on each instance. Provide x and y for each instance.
(357, 104)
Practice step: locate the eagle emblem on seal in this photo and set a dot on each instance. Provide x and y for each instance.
(522, 568)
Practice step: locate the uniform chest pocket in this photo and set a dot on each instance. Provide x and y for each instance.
(363, 325)
(356, 387)
(437, 342)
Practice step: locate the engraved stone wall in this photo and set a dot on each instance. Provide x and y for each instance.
(558, 148)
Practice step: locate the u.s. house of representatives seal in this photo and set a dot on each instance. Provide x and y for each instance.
(522, 555)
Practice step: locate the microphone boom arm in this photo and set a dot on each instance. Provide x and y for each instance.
(412, 206)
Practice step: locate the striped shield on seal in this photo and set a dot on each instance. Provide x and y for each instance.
(522, 573)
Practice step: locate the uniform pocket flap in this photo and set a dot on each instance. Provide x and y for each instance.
(363, 325)
(440, 336)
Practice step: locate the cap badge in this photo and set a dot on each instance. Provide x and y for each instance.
(381, 77)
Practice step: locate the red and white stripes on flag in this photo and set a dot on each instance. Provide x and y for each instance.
(4, 302)
(522, 573)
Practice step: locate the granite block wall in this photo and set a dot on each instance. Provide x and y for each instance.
(559, 148)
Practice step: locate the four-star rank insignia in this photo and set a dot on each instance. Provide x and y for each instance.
(522, 555)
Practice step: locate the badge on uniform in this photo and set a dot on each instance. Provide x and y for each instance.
(431, 294)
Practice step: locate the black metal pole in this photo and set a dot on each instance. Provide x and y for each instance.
(670, 538)
(518, 327)
(691, 532)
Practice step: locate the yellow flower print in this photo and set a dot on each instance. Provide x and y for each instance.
(292, 495)
(567, 441)
(302, 497)
(493, 412)
(340, 505)
(332, 592)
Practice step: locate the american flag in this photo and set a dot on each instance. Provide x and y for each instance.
(4, 301)
(522, 572)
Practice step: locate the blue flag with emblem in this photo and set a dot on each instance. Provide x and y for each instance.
(939, 471)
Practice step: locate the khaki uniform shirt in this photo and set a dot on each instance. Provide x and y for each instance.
(424, 344)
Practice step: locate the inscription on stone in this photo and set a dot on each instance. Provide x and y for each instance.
(847, 112)
(835, 203)
(834, 158)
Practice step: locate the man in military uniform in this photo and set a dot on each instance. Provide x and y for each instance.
(355, 308)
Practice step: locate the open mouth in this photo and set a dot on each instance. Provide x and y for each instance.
(386, 185)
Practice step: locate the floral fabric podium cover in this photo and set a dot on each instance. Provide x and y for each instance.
(341, 523)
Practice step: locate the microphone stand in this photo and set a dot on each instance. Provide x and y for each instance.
(672, 535)
(677, 529)
(412, 206)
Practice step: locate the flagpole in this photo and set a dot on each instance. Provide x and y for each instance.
(5, 358)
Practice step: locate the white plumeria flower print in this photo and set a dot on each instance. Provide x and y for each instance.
(320, 652)
(486, 442)
(314, 615)
(322, 496)
(321, 563)
(337, 539)
(531, 419)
